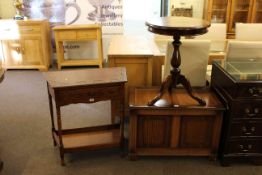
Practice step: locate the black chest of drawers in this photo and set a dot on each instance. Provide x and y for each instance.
(239, 86)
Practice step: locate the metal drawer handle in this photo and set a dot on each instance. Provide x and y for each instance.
(252, 129)
(255, 91)
(249, 147)
(244, 129)
(247, 111)
(27, 29)
(255, 112)
(91, 99)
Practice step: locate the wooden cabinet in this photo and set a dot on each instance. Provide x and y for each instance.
(25, 44)
(239, 85)
(78, 33)
(184, 129)
(135, 54)
(233, 11)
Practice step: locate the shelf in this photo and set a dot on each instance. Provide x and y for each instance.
(241, 10)
(219, 9)
(91, 140)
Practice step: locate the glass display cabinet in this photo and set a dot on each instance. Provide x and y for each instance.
(241, 11)
(257, 11)
(232, 12)
(239, 85)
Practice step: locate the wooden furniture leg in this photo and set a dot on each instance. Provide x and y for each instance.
(51, 114)
(175, 79)
(59, 125)
(1, 165)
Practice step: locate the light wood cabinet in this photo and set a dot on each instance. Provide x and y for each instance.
(25, 44)
(232, 12)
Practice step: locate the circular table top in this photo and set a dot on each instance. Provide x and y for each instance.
(177, 26)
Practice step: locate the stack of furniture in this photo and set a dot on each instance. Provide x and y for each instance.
(140, 57)
(182, 11)
(25, 44)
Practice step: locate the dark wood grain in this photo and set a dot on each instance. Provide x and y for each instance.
(87, 86)
(241, 137)
(176, 27)
(183, 129)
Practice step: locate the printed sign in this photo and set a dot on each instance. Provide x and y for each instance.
(108, 13)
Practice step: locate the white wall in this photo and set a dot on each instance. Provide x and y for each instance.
(7, 9)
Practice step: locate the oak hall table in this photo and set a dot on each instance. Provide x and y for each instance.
(176, 27)
(78, 33)
(87, 86)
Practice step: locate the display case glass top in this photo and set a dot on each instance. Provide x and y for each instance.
(242, 70)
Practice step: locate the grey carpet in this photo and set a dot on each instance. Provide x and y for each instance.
(26, 145)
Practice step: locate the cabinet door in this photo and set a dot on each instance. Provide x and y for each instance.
(218, 11)
(32, 50)
(196, 132)
(257, 11)
(241, 11)
(12, 53)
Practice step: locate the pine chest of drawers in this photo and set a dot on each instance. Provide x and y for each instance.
(239, 84)
(25, 44)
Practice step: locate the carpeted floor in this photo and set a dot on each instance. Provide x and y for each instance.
(26, 145)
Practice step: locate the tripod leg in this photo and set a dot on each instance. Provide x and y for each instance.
(182, 80)
(163, 87)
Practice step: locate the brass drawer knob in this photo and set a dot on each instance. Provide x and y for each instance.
(256, 110)
(247, 110)
(244, 129)
(253, 128)
(255, 91)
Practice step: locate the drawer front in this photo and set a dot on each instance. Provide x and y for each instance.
(30, 29)
(66, 35)
(245, 146)
(250, 91)
(251, 109)
(88, 94)
(246, 129)
(86, 34)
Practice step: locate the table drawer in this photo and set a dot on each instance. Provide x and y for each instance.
(88, 95)
(246, 128)
(250, 91)
(29, 29)
(86, 34)
(245, 146)
(247, 109)
(66, 35)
